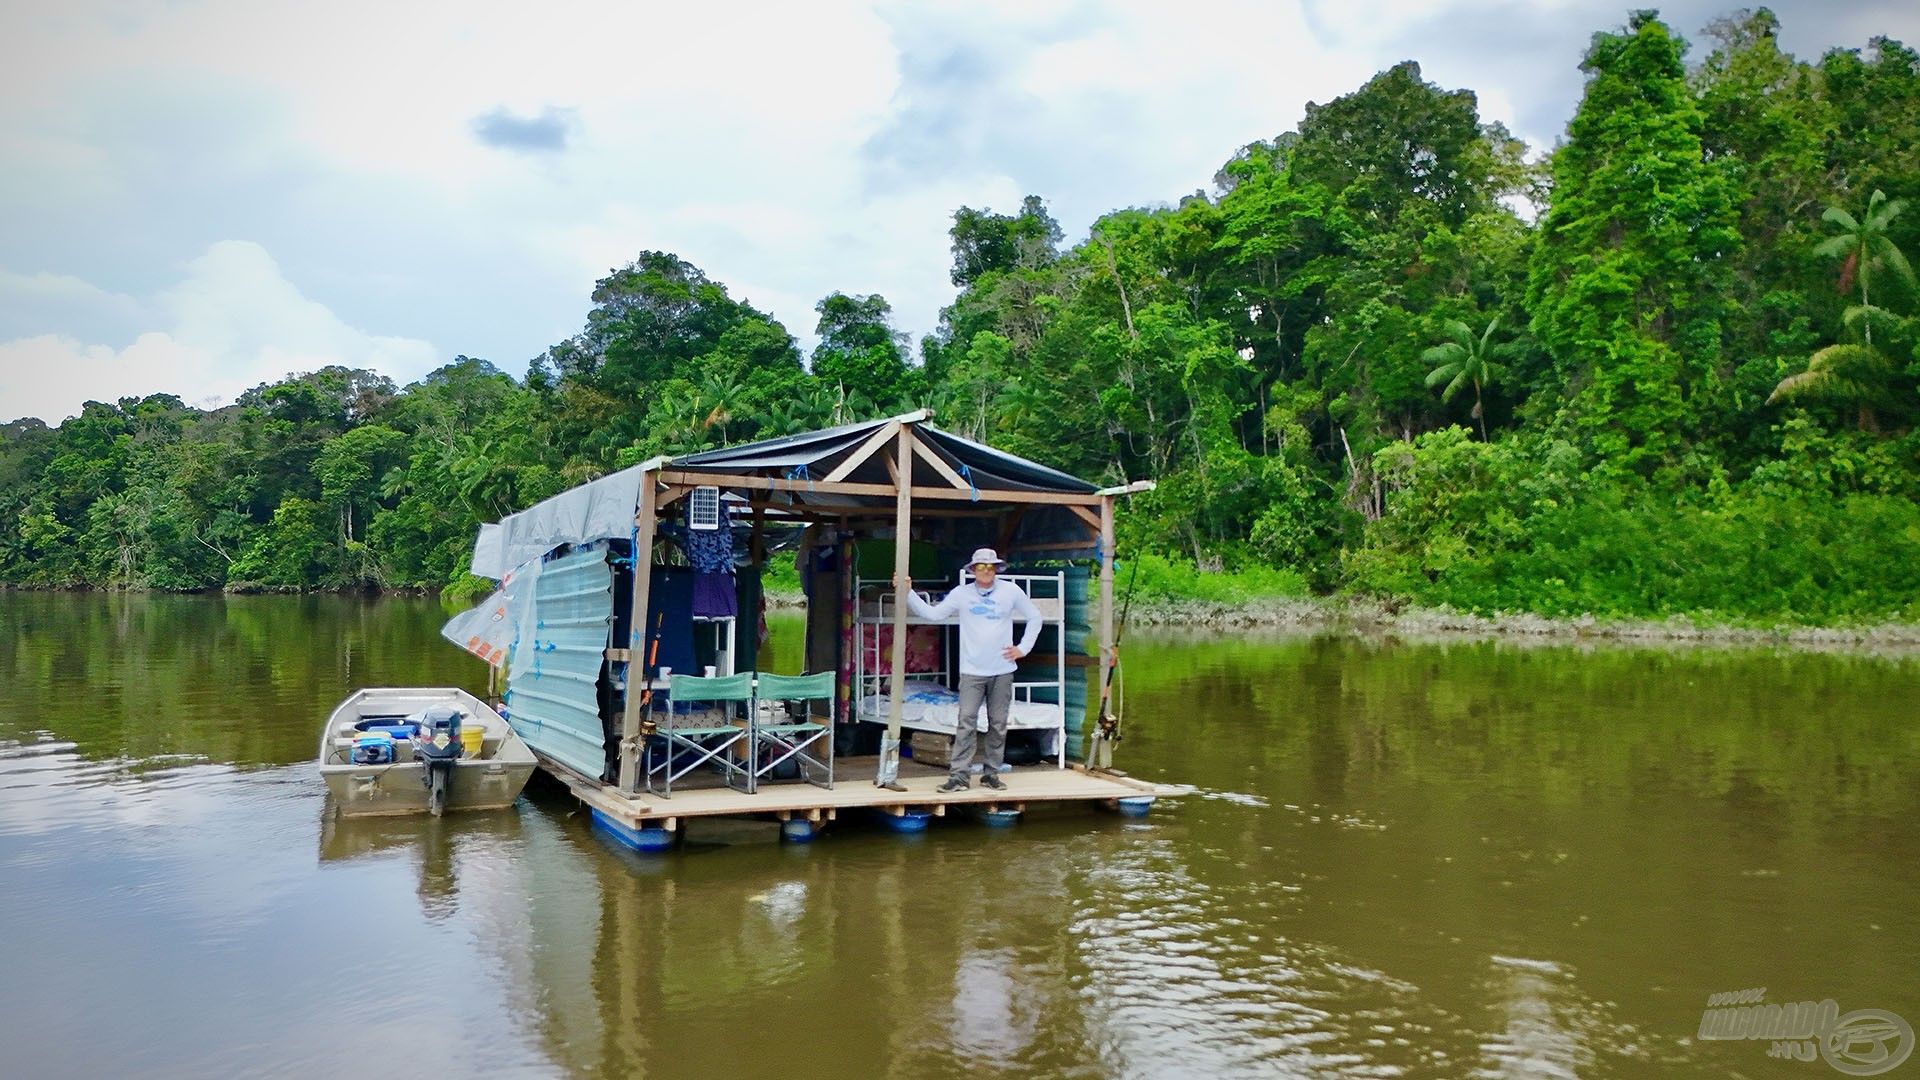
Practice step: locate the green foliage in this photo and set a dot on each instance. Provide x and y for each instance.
(1466, 360)
(1863, 244)
(1629, 275)
(660, 319)
(781, 577)
(985, 242)
(1398, 142)
(1160, 579)
(1518, 526)
(859, 352)
(297, 549)
(1855, 373)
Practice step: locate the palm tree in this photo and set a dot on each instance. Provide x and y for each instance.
(852, 405)
(487, 484)
(1465, 359)
(1855, 373)
(782, 418)
(719, 400)
(1863, 243)
(815, 405)
(686, 427)
(1018, 405)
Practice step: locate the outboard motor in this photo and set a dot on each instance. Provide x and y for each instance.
(437, 747)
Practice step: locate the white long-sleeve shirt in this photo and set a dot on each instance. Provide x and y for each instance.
(986, 623)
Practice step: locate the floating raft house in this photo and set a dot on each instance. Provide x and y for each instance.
(590, 687)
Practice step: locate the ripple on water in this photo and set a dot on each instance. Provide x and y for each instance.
(47, 744)
(1177, 994)
(1549, 1027)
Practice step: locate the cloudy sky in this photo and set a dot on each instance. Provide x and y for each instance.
(198, 196)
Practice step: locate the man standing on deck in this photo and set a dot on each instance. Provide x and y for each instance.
(986, 608)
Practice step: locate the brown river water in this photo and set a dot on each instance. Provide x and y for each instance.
(1455, 859)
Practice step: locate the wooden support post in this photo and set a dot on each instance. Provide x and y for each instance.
(897, 683)
(643, 522)
(1098, 747)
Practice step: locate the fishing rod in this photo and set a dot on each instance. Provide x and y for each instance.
(1109, 723)
(646, 675)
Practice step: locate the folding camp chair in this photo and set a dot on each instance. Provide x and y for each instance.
(788, 739)
(707, 740)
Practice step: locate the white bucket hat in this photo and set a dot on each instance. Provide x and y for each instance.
(987, 555)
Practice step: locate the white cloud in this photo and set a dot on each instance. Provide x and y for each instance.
(232, 322)
(30, 302)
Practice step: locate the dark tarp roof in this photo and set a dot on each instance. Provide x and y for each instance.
(605, 507)
(815, 454)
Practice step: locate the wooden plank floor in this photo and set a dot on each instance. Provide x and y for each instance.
(703, 795)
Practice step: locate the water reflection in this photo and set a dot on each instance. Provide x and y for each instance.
(1538, 1037)
(1425, 860)
(994, 1017)
(441, 849)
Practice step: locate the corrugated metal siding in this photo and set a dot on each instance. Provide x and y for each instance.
(551, 703)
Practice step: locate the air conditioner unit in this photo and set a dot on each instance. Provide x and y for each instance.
(703, 509)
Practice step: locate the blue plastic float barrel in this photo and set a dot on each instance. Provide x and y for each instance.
(999, 819)
(913, 821)
(638, 839)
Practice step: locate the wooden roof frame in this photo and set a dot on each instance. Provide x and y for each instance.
(898, 444)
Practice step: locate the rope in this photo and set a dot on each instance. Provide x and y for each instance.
(972, 490)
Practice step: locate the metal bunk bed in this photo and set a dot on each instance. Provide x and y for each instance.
(930, 703)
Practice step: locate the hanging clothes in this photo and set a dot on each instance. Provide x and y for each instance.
(710, 554)
(713, 596)
(709, 551)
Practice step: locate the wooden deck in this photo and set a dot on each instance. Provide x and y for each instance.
(703, 795)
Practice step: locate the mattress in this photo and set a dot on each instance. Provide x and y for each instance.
(929, 706)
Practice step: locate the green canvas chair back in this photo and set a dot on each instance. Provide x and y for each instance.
(796, 687)
(719, 688)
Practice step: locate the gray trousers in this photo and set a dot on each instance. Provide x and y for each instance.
(998, 690)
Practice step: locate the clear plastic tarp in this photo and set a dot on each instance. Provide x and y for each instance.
(491, 630)
(600, 510)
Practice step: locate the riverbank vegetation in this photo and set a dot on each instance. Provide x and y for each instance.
(1671, 366)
